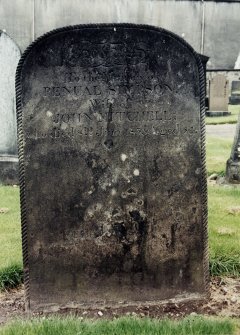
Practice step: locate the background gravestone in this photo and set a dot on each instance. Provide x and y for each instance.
(233, 164)
(218, 96)
(9, 57)
(235, 93)
(112, 167)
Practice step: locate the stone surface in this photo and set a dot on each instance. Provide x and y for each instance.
(221, 43)
(112, 158)
(9, 57)
(218, 94)
(233, 163)
(235, 93)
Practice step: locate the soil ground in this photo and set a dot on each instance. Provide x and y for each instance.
(224, 301)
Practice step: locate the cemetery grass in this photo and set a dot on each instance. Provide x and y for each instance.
(218, 151)
(10, 238)
(121, 326)
(224, 230)
(234, 109)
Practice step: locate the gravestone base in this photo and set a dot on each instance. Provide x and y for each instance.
(234, 100)
(233, 171)
(183, 300)
(217, 113)
(9, 170)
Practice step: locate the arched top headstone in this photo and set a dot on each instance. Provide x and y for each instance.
(9, 58)
(112, 167)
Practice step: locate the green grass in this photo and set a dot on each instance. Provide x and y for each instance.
(120, 326)
(234, 109)
(224, 230)
(10, 238)
(10, 232)
(218, 151)
(11, 276)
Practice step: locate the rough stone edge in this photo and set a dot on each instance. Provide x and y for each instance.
(21, 139)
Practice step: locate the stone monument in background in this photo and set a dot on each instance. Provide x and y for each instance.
(9, 57)
(235, 93)
(233, 164)
(218, 96)
(112, 167)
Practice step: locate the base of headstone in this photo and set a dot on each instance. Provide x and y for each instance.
(9, 170)
(234, 100)
(183, 301)
(217, 113)
(233, 172)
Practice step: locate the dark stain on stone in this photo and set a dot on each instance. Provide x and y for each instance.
(174, 188)
(155, 171)
(97, 166)
(115, 212)
(131, 191)
(115, 263)
(120, 230)
(192, 229)
(140, 264)
(173, 236)
(110, 129)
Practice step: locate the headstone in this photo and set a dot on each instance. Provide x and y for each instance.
(9, 57)
(235, 93)
(218, 96)
(112, 167)
(233, 164)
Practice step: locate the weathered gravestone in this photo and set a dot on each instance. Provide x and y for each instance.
(9, 57)
(235, 93)
(218, 96)
(112, 165)
(233, 163)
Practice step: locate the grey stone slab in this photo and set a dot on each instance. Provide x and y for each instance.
(234, 99)
(235, 87)
(218, 93)
(9, 57)
(112, 167)
(170, 15)
(221, 37)
(17, 18)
